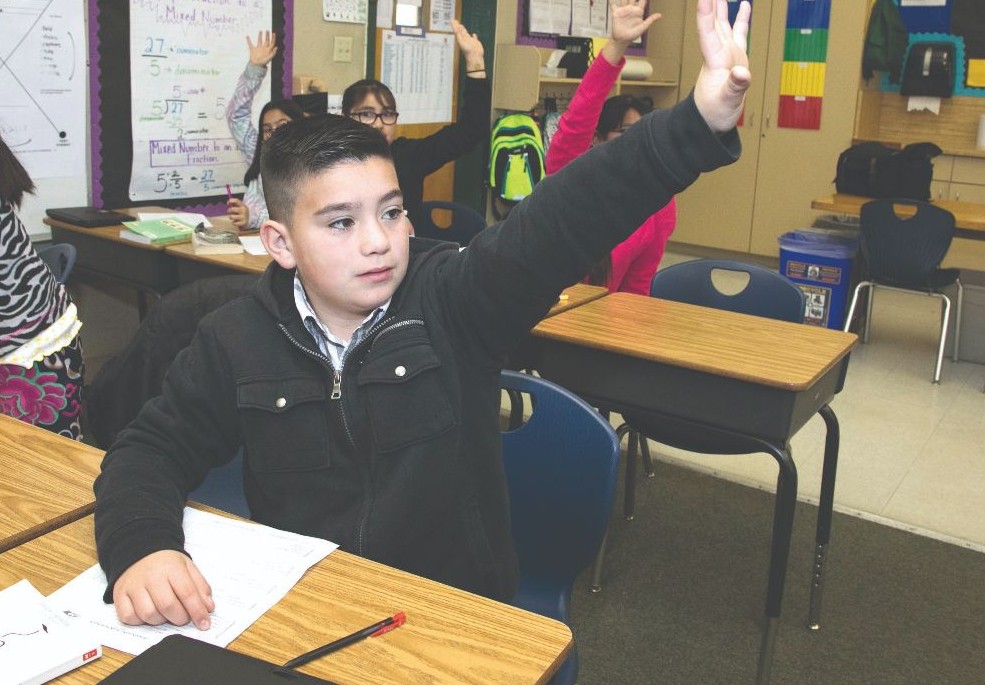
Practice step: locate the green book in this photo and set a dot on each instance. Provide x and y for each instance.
(157, 231)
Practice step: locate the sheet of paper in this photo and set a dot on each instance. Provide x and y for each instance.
(420, 72)
(252, 244)
(190, 218)
(442, 12)
(550, 16)
(250, 568)
(384, 14)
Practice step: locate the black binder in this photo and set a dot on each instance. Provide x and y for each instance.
(88, 217)
(180, 660)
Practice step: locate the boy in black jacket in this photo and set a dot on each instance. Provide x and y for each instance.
(362, 376)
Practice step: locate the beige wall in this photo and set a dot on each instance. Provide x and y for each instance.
(314, 47)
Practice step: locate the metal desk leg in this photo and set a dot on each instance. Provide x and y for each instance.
(824, 514)
(784, 508)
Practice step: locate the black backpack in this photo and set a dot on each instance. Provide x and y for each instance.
(875, 170)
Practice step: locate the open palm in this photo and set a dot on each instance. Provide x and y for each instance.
(724, 78)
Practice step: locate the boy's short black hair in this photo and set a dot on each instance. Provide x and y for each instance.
(310, 145)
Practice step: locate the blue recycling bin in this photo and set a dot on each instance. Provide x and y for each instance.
(820, 263)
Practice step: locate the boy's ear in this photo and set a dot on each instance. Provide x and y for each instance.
(277, 240)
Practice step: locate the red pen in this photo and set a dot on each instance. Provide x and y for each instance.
(229, 192)
(375, 630)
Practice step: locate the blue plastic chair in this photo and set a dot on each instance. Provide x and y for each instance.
(905, 254)
(60, 259)
(561, 468)
(465, 223)
(766, 293)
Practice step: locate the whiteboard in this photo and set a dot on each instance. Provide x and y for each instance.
(43, 78)
(185, 59)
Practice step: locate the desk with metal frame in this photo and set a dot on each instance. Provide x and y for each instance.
(718, 372)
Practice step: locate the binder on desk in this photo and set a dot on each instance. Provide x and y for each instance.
(180, 659)
(87, 217)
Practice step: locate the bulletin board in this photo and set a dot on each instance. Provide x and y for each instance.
(167, 69)
(582, 22)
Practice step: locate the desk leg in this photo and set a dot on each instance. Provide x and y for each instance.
(784, 508)
(824, 514)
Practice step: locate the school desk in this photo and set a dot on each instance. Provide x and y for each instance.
(46, 481)
(967, 250)
(192, 267)
(712, 371)
(102, 253)
(450, 636)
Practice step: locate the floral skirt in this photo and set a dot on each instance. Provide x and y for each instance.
(49, 394)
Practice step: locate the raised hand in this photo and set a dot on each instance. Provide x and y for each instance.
(471, 48)
(629, 21)
(724, 78)
(265, 48)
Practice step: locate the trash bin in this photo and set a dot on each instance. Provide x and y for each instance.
(820, 262)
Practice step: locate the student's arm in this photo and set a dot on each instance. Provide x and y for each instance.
(577, 125)
(511, 273)
(646, 248)
(146, 476)
(451, 142)
(239, 111)
(255, 205)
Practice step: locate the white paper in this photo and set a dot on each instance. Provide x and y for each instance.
(442, 12)
(549, 16)
(348, 11)
(185, 59)
(43, 79)
(190, 218)
(38, 643)
(920, 103)
(384, 14)
(420, 72)
(923, 3)
(590, 19)
(252, 244)
(250, 568)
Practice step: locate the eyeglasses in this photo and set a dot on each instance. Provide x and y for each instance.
(267, 129)
(369, 117)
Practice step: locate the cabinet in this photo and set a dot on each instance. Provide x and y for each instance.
(747, 206)
(958, 178)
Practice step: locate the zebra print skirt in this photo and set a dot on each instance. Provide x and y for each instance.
(48, 394)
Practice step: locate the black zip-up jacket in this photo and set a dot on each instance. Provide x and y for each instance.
(397, 456)
(416, 158)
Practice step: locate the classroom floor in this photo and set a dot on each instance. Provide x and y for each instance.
(912, 453)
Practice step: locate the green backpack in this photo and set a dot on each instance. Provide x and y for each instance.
(516, 156)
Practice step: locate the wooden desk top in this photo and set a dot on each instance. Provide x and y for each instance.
(968, 216)
(749, 348)
(46, 481)
(577, 295)
(110, 233)
(450, 636)
(244, 262)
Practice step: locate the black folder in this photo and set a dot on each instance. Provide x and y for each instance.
(88, 217)
(180, 660)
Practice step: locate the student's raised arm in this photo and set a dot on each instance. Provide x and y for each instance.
(724, 78)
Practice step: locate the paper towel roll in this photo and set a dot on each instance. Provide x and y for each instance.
(637, 69)
(981, 132)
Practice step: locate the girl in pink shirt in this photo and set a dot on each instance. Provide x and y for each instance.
(591, 119)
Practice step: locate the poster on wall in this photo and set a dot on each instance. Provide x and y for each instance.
(43, 82)
(420, 72)
(805, 54)
(185, 60)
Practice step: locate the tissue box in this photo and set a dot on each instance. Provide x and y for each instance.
(554, 72)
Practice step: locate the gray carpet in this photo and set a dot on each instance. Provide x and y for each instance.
(685, 585)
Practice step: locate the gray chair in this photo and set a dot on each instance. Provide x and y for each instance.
(60, 259)
(904, 254)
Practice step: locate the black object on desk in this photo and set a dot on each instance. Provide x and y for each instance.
(88, 217)
(180, 659)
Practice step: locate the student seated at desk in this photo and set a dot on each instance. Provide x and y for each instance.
(362, 375)
(372, 103)
(591, 120)
(41, 362)
(251, 211)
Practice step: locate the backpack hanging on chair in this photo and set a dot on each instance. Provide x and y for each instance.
(516, 159)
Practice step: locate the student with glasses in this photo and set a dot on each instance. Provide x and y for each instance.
(591, 120)
(372, 103)
(251, 211)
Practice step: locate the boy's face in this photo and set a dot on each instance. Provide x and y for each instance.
(348, 238)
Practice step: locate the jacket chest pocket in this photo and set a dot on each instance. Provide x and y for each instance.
(404, 397)
(285, 424)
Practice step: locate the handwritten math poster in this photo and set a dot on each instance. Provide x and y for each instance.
(185, 59)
